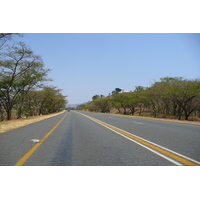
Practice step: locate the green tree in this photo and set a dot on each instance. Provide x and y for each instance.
(45, 101)
(51, 100)
(120, 100)
(95, 97)
(101, 105)
(182, 92)
(132, 101)
(116, 91)
(20, 70)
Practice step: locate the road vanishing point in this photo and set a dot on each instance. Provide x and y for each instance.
(92, 139)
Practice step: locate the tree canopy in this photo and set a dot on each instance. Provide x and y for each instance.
(171, 96)
(22, 73)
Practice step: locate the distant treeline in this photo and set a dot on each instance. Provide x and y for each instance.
(22, 75)
(171, 96)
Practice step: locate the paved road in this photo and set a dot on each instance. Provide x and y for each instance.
(92, 139)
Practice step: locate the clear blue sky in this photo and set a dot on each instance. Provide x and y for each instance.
(84, 65)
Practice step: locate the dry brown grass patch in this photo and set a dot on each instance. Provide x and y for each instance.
(13, 124)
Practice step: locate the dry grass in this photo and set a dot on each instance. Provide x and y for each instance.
(166, 119)
(13, 124)
(148, 113)
(115, 112)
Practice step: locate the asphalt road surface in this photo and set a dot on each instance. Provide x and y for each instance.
(92, 139)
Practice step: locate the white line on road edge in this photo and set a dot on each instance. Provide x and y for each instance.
(167, 158)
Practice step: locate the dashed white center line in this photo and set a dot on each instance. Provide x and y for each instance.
(137, 122)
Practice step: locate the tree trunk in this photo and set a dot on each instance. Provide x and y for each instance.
(179, 113)
(188, 113)
(2, 115)
(132, 109)
(154, 111)
(186, 117)
(174, 109)
(8, 107)
(140, 110)
(8, 112)
(124, 110)
(19, 113)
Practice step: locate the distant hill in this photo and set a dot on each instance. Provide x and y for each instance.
(74, 105)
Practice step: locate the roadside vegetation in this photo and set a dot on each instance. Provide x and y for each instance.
(22, 78)
(13, 124)
(171, 97)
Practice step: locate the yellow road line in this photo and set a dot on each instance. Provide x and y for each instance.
(156, 119)
(27, 155)
(165, 152)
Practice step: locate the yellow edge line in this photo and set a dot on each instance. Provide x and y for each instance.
(178, 158)
(27, 155)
